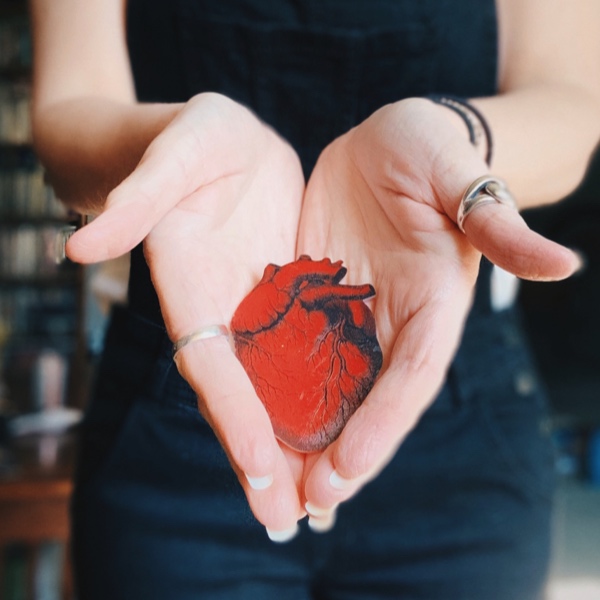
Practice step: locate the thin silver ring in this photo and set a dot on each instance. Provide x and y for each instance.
(484, 190)
(204, 333)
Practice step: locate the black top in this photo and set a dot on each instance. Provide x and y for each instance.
(310, 68)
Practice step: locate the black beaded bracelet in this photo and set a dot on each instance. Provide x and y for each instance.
(476, 123)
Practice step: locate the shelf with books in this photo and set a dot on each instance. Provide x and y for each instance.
(35, 490)
(42, 347)
(28, 253)
(24, 193)
(40, 301)
(15, 103)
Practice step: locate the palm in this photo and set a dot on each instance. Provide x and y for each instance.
(205, 256)
(396, 238)
(412, 254)
(212, 247)
(216, 198)
(379, 200)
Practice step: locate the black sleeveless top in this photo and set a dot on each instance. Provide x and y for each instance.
(310, 68)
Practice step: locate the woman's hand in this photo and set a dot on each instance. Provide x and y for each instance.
(216, 197)
(383, 198)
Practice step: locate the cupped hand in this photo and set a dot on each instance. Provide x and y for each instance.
(216, 197)
(383, 198)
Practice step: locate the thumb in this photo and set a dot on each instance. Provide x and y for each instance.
(164, 176)
(131, 211)
(211, 138)
(501, 234)
(160, 180)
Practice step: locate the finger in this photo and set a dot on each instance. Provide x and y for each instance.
(501, 234)
(320, 519)
(239, 420)
(392, 408)
(276, 506)
(201, 145)
(134, 207)
(127, 219)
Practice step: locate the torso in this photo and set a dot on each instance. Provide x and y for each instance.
(312, 69)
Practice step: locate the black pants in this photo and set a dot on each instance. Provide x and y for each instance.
(462, 512)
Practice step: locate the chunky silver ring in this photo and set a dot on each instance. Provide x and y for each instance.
(204, 333)
(484, 190)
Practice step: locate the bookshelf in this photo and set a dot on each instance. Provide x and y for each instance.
(43, 370)
(35, 490)
(40, 300)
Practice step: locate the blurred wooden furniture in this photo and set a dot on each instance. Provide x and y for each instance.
(35, 493)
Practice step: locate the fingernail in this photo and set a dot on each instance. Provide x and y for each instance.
(322, 525)
(283, 535)
(317, 511)
(260, 483)
(582, 261)
(338, 482)
(320, 520)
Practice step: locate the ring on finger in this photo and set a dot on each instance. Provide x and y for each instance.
(204, 333)
(484, 190)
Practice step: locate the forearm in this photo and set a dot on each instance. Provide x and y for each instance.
(546, 118)
(88, 129)
(89, 144)
(543, 138)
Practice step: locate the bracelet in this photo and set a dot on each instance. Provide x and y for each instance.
(478, 127)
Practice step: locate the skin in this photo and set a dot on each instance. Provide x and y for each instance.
(191, 178)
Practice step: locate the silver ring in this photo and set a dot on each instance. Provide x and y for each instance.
(484, 190)
(204, 333)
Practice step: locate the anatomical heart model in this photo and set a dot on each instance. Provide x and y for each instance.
(309, 346)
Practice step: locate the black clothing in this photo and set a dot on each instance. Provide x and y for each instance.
(463, 510)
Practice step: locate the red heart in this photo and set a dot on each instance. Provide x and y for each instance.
(309, 346)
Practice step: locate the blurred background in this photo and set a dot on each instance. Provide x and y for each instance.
(563, 323)
(52, 318)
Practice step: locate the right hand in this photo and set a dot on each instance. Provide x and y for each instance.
(383, 198)
(216, 197)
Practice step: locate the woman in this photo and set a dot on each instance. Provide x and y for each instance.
(145, 125)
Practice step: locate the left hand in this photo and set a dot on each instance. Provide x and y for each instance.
(383, 198)
(216, 196)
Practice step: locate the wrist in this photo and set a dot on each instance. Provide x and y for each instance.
(470, 120)
(89, 145)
